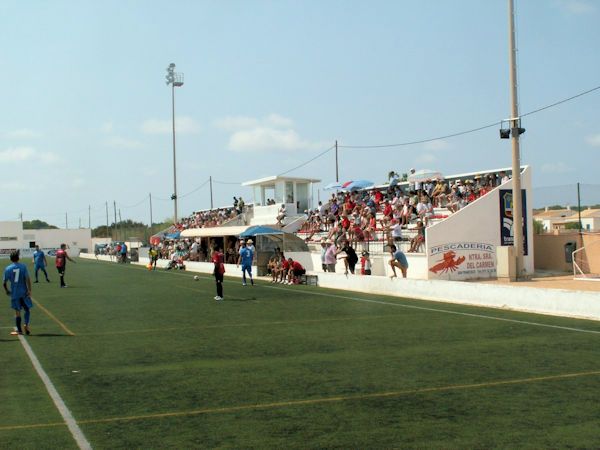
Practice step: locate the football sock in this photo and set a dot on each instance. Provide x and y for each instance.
(18, 320)
(27, 316)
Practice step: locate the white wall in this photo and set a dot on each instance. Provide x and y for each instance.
(48, 239)
(463, 246)
(581, 304)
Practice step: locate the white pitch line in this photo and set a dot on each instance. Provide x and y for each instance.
(445, 311)
(78, 435)
(424, 308)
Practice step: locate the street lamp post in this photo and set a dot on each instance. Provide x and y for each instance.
(174, 79)
(516, 131)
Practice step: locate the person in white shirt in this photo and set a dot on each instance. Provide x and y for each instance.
(281, 215)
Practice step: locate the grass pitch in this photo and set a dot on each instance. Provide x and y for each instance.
(149, 360)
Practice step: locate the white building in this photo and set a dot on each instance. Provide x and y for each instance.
(14, 237)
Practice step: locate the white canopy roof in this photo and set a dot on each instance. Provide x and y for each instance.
(272, 179)
(214, 231)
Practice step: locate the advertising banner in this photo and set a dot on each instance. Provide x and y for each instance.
(506, 219)
(462, 260)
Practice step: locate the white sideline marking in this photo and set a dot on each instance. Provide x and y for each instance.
(424, 308)
(78, 435)
(446, 311)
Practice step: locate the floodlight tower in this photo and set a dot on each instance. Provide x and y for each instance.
(174, 79)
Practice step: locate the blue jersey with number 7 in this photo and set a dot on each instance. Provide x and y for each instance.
(17, 275)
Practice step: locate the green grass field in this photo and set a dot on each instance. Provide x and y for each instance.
(149, 360)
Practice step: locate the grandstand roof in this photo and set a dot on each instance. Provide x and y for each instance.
(214, 231)
(273, 178)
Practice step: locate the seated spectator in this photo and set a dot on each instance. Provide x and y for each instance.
(273, 268)
(283, 269)
(419, 239)
(396, 229)
(407, 212)
(281, 215)
(370, 227)
(424, 209)
(295, 271)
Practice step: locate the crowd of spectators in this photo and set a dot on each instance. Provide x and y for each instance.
(371, 214)
(212, 217)
(196, 249)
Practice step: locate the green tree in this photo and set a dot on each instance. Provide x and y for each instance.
(37, 225)
(538, 227)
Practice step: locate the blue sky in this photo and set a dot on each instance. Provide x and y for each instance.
(86, 116)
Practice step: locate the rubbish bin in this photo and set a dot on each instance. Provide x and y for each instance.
(570, 247)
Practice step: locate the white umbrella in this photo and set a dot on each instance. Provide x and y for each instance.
(424, 175)
(331, 186)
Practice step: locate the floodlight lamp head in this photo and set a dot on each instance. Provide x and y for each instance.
(172, 66)
(504, 133)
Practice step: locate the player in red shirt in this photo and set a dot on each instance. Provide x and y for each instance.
(285, 269)
(61, 263)
(218, 259)
(296, 270)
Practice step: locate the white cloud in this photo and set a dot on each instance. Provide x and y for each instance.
(183, 125)
(267, 139)
(577, 6)
(16, 154)
(556, 167)
(123, 143)
(23, 154)
(237, 123)
(438, 144)
(593, 140)
(16, 186)
(278, 121)
(271, 133)
(22, 133)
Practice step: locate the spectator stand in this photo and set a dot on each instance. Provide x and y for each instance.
(452, 228)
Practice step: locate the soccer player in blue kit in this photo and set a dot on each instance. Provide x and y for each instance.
(20, 291)
(246, 257)
(39, 263)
